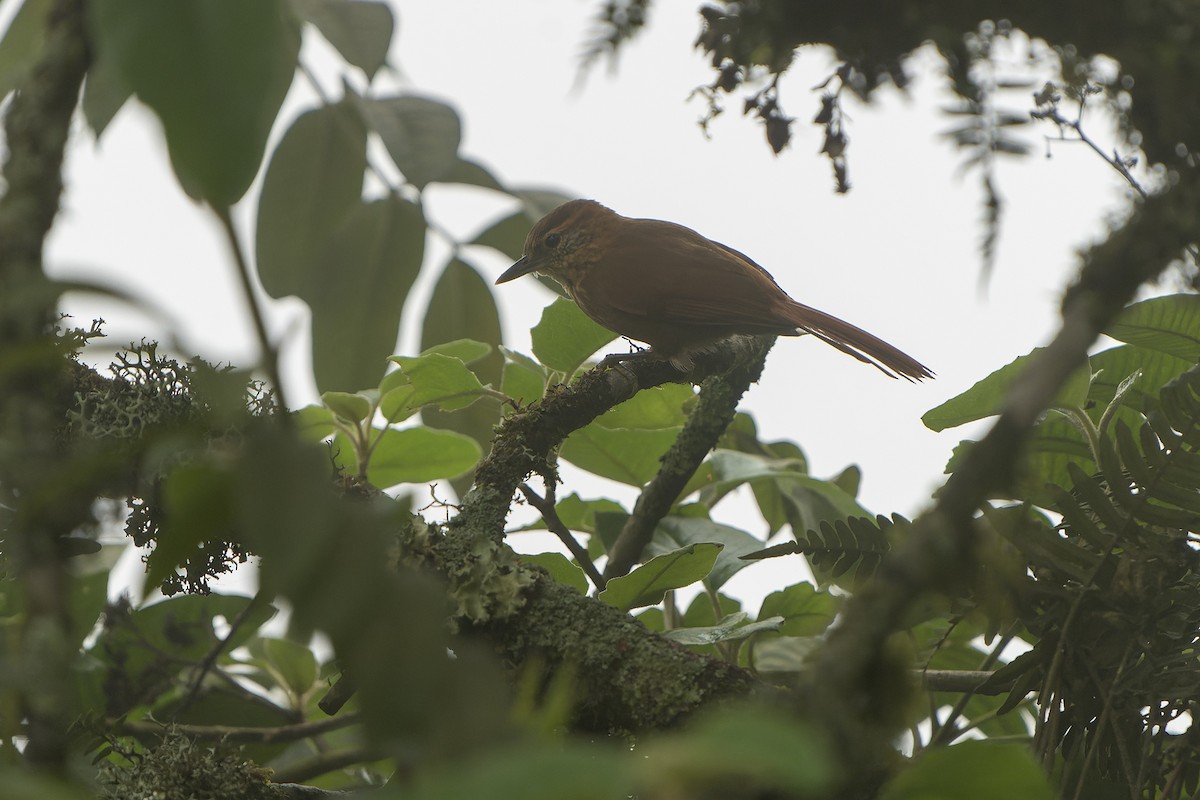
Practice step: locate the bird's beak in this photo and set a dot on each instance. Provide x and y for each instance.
(522, 267)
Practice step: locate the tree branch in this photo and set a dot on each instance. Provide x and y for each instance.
(847, 688)
(718, 401)
(38, 506)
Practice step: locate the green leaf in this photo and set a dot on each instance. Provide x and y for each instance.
(314, 180)
(646, 585)
(432, 379)
(628, 456)
(700, 612)
(467, 351)
(88, 599)
(144, 648)
(1114, 365)
(293, 663)
(507, 234)
(726, 470)
(524, 380)
(314, 423)
(580, 515)
(674, 532)
(214, 71)
(378, 245)
(565, 337)
(416, 455)
(805, 610)
(779, 483)
(528, 770)
(22, 783)
(766, 745)
(421, 134)
(1169, 324)
(463, 306)
(561, 568)
(731, 629)
(350, 407)
(471, 173)
(22, 43)
(197, 500)
(104, 94)
(651, 409)
(361, 30)
(986, 398)
(980, 770)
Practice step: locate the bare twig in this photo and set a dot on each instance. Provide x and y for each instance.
(545, 507)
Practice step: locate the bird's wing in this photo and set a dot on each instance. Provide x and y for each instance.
(673, 274)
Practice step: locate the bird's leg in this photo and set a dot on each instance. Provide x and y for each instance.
(639, 353)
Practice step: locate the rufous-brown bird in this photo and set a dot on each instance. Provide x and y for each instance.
(668, 286)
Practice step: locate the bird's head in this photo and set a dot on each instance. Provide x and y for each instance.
(562, 244)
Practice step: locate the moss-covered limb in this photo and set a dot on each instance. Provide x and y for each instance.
(40, 501)
(626, 678)
(524, 441)
(717, 402)
(36, 129)
(848, 688)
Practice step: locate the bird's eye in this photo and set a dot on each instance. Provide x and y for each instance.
(552, 240)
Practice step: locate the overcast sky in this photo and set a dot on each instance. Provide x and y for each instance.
(897, 256)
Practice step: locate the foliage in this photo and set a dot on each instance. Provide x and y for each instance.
(422, 652)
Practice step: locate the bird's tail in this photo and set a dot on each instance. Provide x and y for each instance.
(856, 342)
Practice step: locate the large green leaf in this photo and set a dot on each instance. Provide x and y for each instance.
(781, 487)
(647, 584)
(414, 455)
(507, 234)
(431, 379)
(561, 568)
(197, 506)
(623, 454)
(314, 180)
(565, 336)
(361, 30)
(806, 611)
(986, 398)
(145, 647)
(980, 770)
(358, 288)
(462, 306)
(730, 629)
(651, 409)
(104, 94)
(1169, 324)
(674, 532)
(214, 71)
(1112, 366)
(421, 134)
(524, 380)
(767, 744)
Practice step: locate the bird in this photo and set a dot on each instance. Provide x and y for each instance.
(678, 291)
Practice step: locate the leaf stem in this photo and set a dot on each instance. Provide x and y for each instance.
(270, 354)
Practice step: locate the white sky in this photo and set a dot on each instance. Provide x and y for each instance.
(897, 256)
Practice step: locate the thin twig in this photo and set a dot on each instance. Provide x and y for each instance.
(545, 507)
(237, 733)
(1054, 116)
(210, 659)
(270, 354)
